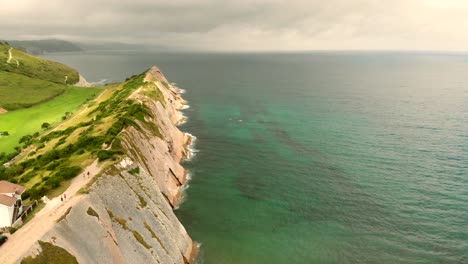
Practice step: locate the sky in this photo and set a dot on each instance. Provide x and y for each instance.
(238, 25)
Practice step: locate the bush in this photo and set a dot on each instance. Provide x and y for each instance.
(54, 164)
(104, 155)
(53, 181)
(134, 171)
(45, 125)
(12, 230)
(34, 193)
(27, 177)
(48, 157)
(69, 172)
(26, 195)
(25, 139)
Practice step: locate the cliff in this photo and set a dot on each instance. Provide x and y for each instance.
(125, 214)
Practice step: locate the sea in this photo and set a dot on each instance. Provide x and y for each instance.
(320, 157)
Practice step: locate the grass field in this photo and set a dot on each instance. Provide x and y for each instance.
(19, 91)
(36, 67)
(29, 120)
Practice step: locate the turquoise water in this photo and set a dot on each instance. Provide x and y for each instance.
(321, 157)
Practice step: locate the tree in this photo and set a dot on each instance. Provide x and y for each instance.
(25, 139)
(4, 133)
(45, 125)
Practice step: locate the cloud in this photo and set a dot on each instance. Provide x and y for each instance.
(245, 25)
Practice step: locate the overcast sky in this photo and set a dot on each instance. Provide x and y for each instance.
(245, 25)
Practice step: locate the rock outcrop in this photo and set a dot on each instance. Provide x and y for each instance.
(82, 82)
(127, 216)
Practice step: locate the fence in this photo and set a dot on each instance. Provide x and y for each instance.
(26, 212)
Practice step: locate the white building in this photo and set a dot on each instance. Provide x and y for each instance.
(10, 203)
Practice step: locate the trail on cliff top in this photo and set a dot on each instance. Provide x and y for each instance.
(21, 241)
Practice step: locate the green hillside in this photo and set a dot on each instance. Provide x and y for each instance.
(26, 80)
(33, 91)
(29, 120)
(35, 67)
(19, 91)
(54, 156)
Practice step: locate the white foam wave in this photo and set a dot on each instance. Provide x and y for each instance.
(191, 151)
(101, 82)
(182, 121)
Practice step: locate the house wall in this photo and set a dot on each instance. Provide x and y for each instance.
(6, 213)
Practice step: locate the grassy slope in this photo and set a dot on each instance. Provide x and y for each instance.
(36, 67)
(19, 91)
(38, 84)
(51, 254)
(27, 121)
(54, 157)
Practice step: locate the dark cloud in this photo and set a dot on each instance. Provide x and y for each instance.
(245, 25)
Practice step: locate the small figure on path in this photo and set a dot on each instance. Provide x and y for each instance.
(61, 198)
(64, 196)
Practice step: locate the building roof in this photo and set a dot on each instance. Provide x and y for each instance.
(8, 187)
(7, 200)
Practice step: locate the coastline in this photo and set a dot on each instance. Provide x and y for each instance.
(189, 153)
(135, 211)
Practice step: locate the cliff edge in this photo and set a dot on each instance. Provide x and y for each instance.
(124, 214)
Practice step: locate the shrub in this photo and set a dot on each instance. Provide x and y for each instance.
(12, 230)
(45, 125)
(53, 181)
(69, 172)
(134, 171)
(28, 176)
(104, 155)
(25, 139)
(34, 193)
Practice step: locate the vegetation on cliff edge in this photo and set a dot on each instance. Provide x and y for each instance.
(51, 254)
(55, 157)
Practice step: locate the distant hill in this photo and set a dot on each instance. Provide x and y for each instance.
(95, 46)
(120, 46)
(17, 61)
(42, 46)
(38, 47)
(26, 80)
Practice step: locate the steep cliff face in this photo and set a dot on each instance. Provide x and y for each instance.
(127, 216)
(160, 155)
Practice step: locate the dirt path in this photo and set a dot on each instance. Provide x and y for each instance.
(22, 240)
(10, 56)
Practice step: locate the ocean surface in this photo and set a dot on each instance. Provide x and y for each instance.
(318, 157)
